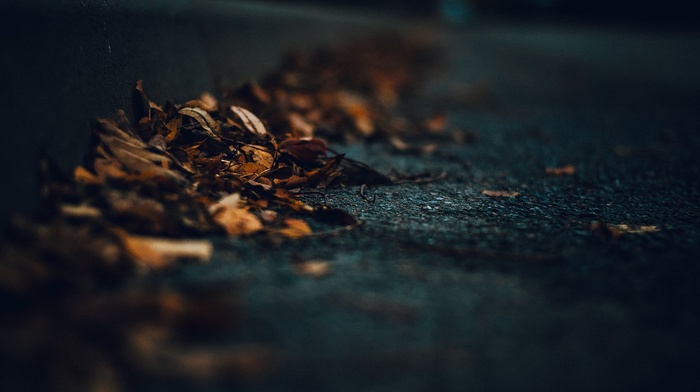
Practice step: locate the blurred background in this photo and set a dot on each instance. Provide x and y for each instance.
(610, 11)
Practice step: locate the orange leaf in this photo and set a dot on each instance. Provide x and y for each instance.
(296, 228)
(237, 220)
(313, 268)
(158, 253)
(561, 171)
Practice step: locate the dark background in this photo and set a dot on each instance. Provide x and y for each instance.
(613, 11)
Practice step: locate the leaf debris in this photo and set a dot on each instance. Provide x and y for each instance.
(499, 193)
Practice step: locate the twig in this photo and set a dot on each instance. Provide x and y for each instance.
(365, 198)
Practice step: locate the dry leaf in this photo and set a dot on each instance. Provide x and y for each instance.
(80, 211)
(313, 268)
(631, 229)
(259, 155)
(203, 118)
(82, 175)
(608, 231)
(206, 102)
(358, 109)
(495, 193)
(249, 120)
(236, 220)
(296, 228)
(561, 171)
(231, 201)
(158, 253)
(399, 144)
(305, 150)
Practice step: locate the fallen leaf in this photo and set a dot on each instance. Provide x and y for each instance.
(312, 268)
(82, 175)
(560, 171)
(358, 109)
(80, 211)
(305, 150)
(259, 155)
(203, 118)
(632, 229)
(295, 228)
(496, 193)
(158, 253)
(249, 121)
(206, 102)
(238, 221)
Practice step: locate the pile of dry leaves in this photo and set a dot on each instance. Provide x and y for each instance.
(152, 190)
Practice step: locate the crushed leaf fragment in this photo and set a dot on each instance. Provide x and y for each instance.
(608, 231)
(498, 193)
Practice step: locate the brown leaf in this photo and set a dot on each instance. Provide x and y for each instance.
(249, 169)
(82, 175)
(146, 105)
(358, 109)
(203, 118)
(206, 102)
(249, 121)
(313, 268)
(633, 229)
(296, 228)
(80, 211)
(608, 231)
(305, 150)
(234, 218)
(560, 171)
(496, 193)
(258, 155)
(158, 253)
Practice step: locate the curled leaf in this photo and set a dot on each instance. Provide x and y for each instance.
(202, 117)
(249, 120)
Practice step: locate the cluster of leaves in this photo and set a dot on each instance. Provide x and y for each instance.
(190, 170)
(347, 92)
(152, 190)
